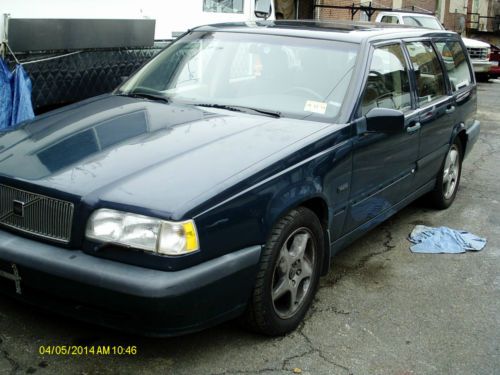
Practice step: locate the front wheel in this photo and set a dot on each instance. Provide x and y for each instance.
(448, 179)
(289, 274)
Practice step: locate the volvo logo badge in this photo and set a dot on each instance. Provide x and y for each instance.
(18, 208)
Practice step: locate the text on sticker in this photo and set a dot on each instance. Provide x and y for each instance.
(315, 107)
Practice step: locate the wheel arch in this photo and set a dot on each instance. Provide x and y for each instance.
(318, 204)
(460, 133)
(320, 208)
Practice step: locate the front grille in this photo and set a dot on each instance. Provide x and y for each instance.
(478, 53)
(36, 214)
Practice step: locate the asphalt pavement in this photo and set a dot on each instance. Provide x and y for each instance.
(380, 310)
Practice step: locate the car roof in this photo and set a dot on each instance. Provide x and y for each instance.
(356, 32)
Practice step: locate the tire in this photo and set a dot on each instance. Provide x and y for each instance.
(448, 179)
(482, 77)
(288, 274)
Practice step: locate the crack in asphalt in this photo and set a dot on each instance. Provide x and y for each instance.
(387, 247)
(482, 158)
(259, 371)
(286, 362)
(314, 349)
(13, 363)
(332, 309)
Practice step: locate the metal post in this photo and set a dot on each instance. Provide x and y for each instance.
(5, 35)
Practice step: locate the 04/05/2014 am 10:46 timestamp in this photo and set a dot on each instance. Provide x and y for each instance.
(77, 350)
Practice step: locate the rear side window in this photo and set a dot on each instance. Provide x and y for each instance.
(387, 85)
(428, 72)
(455, 62)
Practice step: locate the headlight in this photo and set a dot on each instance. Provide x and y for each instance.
(142, 232)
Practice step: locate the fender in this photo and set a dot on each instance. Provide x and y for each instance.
(289, 197)
(302, 195)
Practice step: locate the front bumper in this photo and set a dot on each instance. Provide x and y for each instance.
(495, 69)
(481, 66)
(123, 296)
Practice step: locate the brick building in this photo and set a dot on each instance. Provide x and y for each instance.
(463, 16)
(426, 6)
(470, 15)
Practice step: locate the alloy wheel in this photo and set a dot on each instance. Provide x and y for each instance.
(293, 273)
(451, 172)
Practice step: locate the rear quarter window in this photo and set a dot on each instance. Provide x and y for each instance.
(428, 72)
(455, 62)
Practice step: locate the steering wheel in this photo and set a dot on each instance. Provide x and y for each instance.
(389, 95)
(376, 74)
(305, 90)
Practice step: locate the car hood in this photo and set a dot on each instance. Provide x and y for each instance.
(473, 43)
(145, 154)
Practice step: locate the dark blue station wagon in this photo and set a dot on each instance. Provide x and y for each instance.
(224, 175)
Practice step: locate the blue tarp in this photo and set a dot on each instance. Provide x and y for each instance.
(22, 109)
(5, 95)
(15, 96)
(444, 240)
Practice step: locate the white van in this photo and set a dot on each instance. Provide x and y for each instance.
(478, 51)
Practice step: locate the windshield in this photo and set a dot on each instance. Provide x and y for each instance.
(427, 22)
(295, 77)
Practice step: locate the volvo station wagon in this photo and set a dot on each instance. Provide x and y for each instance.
(222, 177)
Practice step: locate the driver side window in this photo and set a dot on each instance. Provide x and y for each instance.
(388, 84)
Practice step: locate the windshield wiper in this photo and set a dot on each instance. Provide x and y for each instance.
(145, 95)
(239, 108)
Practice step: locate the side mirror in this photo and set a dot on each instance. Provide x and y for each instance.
(262, 8)
(385, 120)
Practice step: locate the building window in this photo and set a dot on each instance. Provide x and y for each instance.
(223, 6)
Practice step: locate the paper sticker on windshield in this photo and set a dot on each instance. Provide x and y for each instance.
(315, 107)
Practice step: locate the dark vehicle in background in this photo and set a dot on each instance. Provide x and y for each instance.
(495, 60)
(222, 177)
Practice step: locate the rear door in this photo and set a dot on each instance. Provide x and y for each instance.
(460, 76)
(436, 108)
(383, 163)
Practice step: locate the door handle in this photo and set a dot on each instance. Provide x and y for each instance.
(414, 128)
(450, 109)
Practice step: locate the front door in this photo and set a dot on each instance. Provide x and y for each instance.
(383, 163)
